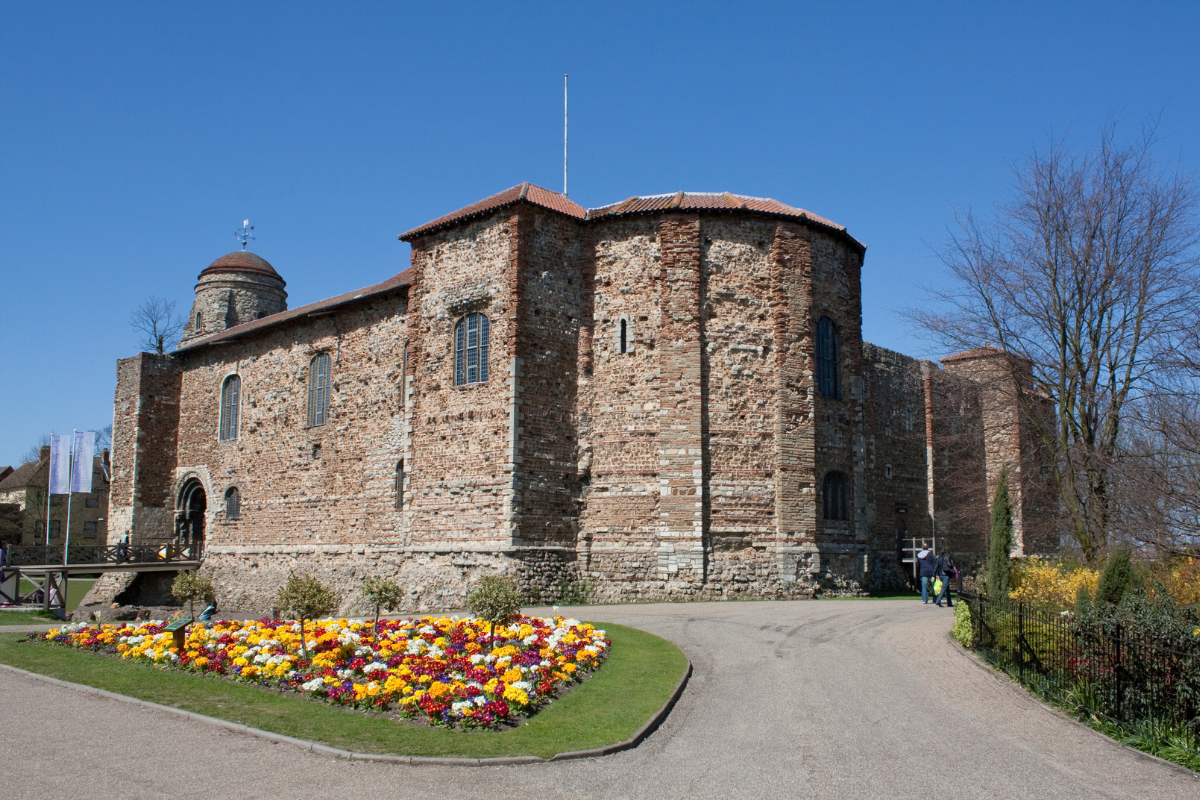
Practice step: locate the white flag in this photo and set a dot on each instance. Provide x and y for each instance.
(60, 464)
(81, 471)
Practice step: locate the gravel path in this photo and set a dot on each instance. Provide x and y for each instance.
(846, 699)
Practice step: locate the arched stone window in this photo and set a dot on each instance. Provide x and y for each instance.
(231, 391)
(318, 389)
(471, 349)
(835, 496)
(400, 485)
(233, 503)
(199, 322)
(828, 379)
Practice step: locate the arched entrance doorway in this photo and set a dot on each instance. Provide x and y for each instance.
(189, 517)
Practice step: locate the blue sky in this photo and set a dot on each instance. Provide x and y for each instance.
(134, 138)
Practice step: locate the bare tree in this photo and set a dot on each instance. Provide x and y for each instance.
(1089, 274)
(35, 450)
(157, 323)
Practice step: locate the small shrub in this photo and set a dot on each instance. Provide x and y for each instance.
(496, 599)
(961, 632)
(190, 586)
(304, 597)
(383, 594)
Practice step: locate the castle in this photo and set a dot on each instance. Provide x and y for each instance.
(668, 397)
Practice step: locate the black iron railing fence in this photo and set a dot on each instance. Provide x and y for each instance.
(161, 553)
(1121, 674)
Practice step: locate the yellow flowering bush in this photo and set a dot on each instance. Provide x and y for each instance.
(1040, 582)
(1183, 581)
(458, 672)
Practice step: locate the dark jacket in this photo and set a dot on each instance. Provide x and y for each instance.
(945, 565)
(928, 565)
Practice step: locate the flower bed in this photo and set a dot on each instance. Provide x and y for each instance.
(450, 671)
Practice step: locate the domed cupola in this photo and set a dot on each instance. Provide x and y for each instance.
(235, 289)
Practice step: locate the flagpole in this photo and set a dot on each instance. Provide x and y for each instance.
(70, 486)
(49, 478)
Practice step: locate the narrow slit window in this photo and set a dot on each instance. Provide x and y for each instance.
(231, 391)
(828, 380)
(233, 503)
(836, 497)
(471, 335)
(318, 390)
(624, 336)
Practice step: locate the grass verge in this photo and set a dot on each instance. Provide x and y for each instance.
(76, 589)
(25, 617)
(635, 681)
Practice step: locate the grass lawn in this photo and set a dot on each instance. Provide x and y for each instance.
(25, 617)
(76, 589)
(635, 681)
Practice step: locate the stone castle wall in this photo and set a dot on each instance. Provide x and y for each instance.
(688, 466)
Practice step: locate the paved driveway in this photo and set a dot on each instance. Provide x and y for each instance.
(846, 699)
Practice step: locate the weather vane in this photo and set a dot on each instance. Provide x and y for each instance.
(245, 233)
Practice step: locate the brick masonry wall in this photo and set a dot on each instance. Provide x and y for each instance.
(145, 433)
(225, 300)
(688, 466)
(896, 475)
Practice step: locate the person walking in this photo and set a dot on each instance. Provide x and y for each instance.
(947, 571)
(927, 562)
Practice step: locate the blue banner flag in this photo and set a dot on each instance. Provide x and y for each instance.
(60, 464)
(81, 470)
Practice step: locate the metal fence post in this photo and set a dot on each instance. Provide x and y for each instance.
(1117, 673)
(1021, 641)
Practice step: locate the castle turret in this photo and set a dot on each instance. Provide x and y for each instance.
(235, 289)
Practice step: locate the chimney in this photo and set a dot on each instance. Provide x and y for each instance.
(44, 452)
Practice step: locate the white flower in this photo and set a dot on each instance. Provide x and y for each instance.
(313, 685)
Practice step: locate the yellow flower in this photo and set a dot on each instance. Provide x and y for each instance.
(511, 676)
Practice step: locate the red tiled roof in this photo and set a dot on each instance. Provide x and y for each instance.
(714, 201)
(395, 282)
(679, 201)
(525, 192)
(241, 261)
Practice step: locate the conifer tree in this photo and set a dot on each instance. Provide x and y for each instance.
(1117, 578)
(1000, 541)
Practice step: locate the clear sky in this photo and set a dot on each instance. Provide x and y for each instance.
(135, 137)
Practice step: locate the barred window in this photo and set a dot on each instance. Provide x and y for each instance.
(90, 527)
(318, 389)
(471, 349)
(91, 501)
(231, 392)
(835, 496)
(828, 382)
(233, 503)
